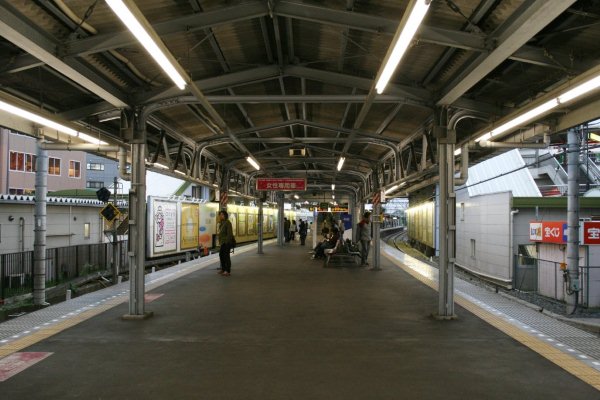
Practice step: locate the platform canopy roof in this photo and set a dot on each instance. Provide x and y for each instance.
(268, 78)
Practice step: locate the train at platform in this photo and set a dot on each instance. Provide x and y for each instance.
(176, 226)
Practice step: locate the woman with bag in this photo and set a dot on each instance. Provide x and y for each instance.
(226, 241)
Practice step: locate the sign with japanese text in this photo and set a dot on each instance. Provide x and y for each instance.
(281, 184)
(590, 233)
(548, 232)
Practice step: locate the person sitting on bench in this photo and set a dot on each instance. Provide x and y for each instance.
(328, 244)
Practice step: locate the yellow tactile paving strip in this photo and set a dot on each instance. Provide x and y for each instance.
(577, 368)
(45, 332)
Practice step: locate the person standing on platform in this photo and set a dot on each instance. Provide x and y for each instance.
(293, 230)
(226, 242)
(286, 229)
(363, 234)
(302, 231)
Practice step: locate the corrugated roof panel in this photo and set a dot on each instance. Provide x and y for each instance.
(506, 172)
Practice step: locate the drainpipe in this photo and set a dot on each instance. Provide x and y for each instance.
(516, 145)
(511, 233)
(21, 234)
(464, 166)
(39, 244)
(572, 272)
(122, 156)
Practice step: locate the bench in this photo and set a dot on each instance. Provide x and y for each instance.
(340, 253)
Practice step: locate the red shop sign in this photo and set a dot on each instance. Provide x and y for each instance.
(281, 184)
(591, 232)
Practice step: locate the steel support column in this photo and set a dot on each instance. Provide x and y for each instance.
(260, 226)
(39, 244)
(137, 221)
(280, 216)
(572, 273)
(446, 140)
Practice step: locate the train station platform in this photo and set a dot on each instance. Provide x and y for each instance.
(284, 327)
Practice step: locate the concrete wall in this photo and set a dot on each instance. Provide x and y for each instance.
(65, 226)
(484, 222)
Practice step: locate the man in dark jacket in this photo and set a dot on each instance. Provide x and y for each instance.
(226, 242)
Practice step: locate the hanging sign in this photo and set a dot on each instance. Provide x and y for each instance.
(548, 232)
(281, 184)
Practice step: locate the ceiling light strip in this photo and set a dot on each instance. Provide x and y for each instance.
(134, 24)
(402, 39)
(43, 121)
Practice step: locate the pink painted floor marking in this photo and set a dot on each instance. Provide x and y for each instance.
(17, 362)
(148, 297)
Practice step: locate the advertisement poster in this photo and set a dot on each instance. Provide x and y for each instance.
(189, 226)
(241, 229)
(252, 224)
(548, 231)
(165, 227)
(208, 224)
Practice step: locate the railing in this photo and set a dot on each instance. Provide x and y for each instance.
(546, 278)
(561, 190)
(62, 265)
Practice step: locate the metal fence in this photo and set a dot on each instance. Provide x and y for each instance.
(62, 265)
(546, 278)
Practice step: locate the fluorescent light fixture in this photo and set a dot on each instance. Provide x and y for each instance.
(38, 119)
(595, 137)
(333, 186)
(296, 196)
(577, 91)
(458, 152)
(253, 162)
(417, 13)
(340, 163)
(132, 23)
(179, 172)
(159, 165)
(390, 190)
(520, 120)
(394, 188)
(333, 196)
(580, 90)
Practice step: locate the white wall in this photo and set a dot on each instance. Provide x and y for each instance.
(65, 226)
(486, 220)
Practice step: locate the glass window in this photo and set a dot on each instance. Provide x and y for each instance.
(473, 248)
(17, 161)
(53, 166)
(95, 166)
(86, 230)
(74, 169)
(94, 184)
(30, 161)
(15, 191)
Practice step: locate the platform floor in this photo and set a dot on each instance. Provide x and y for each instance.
(284, 327)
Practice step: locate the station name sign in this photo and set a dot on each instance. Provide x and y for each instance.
(281, 184)
(556, 232)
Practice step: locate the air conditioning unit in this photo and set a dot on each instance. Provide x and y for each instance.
(297, 152)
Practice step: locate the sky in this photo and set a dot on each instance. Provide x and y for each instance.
(157, 184)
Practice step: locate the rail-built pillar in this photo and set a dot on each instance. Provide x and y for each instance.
(39, 244)
(446, 140)
(572, 273)
(260, 226)
(376, 220)
(137, 220)
(280, 216)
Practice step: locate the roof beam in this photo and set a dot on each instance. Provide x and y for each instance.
(20, 32)
(524, 23)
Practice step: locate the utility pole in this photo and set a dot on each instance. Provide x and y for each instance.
(116, 256)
